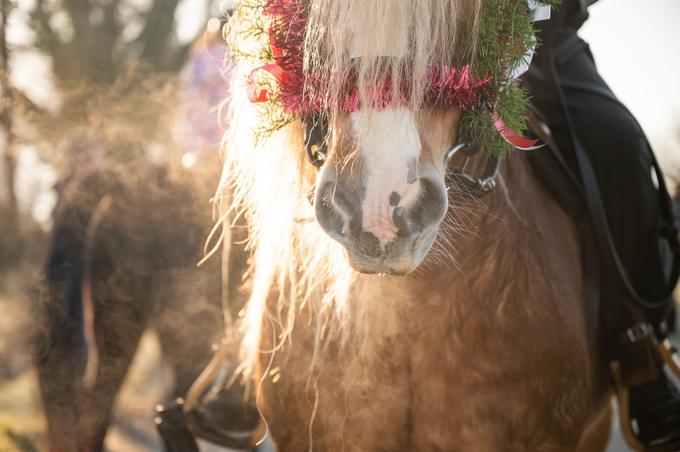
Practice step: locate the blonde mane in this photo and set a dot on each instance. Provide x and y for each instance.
(294, 264)
(420, 33)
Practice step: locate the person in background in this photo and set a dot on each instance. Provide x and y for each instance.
(202, 91)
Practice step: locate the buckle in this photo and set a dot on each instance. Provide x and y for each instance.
(638, 332)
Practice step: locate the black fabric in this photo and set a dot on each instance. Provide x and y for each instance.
(616, 146)
(571, 14)
(620, 157)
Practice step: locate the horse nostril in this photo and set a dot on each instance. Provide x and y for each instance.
(401, 221)
(431, 205)
(342, 204)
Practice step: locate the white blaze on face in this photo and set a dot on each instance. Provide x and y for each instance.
(389, 146)
(388, 139)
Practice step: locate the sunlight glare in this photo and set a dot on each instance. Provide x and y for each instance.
(189, 160)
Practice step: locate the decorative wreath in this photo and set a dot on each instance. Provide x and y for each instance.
(494, 104)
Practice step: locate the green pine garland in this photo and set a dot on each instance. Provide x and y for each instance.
(506, 31)
(249, 24)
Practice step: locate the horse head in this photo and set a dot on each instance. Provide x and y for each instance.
(392, 107)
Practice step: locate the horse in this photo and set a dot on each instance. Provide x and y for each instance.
(127, 235)
(398, 312)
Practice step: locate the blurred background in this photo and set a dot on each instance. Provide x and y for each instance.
(126, 94)
(102, 97)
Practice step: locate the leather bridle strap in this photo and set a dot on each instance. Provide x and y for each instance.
(465, 183)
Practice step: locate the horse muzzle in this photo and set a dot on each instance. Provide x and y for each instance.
(393, 241)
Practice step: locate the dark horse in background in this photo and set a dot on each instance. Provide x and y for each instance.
(127, 236)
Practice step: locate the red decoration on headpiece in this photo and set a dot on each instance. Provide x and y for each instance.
(256, 92)
(512, 137)
(448, 87)
(451, 87)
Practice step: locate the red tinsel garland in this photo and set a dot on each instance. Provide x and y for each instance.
(300, 95)
(448, 87)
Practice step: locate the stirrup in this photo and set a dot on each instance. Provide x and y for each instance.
(171, 424)
(179, 431)
(239, 440)
(231, 438)
(669, 356)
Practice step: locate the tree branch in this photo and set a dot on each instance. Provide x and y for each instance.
(6, 117)
(158, 29)
(47, 38)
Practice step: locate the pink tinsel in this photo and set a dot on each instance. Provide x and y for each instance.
(448, 87)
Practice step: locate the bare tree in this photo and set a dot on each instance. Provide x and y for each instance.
(92, 40)
(91, 45)
(6, 105)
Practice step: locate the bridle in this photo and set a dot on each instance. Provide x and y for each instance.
(467, 184)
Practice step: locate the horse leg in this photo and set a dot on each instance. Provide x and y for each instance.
(121, 313)
(62, 352)
(189, 323)
(596, 436)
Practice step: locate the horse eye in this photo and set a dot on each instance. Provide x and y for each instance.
(321, 151)
(316, 131)
(317, 154)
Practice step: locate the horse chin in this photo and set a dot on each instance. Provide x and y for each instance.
(400, 257)
(378, 268)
